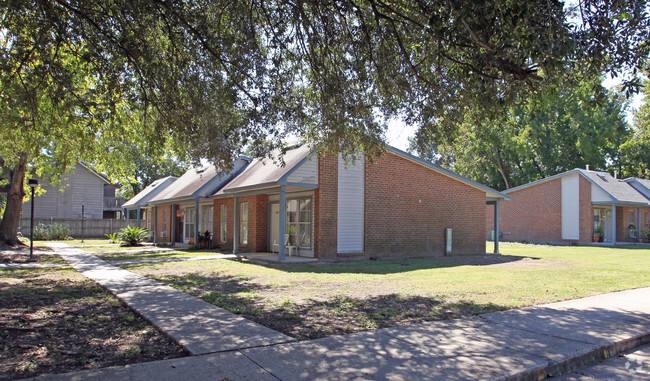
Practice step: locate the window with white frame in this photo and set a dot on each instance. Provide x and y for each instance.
(299, 222)
(206, 219)
(223, 225)
(164, 224)
(243, 223)
(189, 223)
(632, 222)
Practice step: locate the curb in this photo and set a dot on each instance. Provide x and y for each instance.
(603, 352)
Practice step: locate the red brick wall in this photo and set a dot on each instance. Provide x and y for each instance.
(408, 207)
(159, 226)
(325, 207)
(623, 221)
(533, 214)
(586, 211)
(257, 223)
(229, 203)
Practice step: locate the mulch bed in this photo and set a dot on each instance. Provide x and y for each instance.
(57, 321)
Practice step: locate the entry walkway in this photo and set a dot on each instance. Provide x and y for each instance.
(198, 326)
(528, 343)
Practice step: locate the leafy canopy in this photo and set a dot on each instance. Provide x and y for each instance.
(210, 76)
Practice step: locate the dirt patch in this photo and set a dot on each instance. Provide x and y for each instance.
(500, 261)
(21, 257)
(304, 315)
(56, 321)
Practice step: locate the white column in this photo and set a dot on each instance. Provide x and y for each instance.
(196, 223)
(172, 236)
(283, 222)
(155, 224)
(496, 226)
(235, 228)
(614, 223)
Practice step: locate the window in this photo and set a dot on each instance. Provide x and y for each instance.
(206, 219)
(243, 223)
(299, 222)
(189, 223)
(164, 227)
(147, 216)
(632, 222)
(223, 230)
(647, 219)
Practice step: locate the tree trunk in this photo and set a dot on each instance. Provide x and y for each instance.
(11, 219)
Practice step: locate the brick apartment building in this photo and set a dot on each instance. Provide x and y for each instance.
(570, 206)
(395, 206)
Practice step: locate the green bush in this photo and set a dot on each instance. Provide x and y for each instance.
(132, 236)
(54, 232)
(112, 237)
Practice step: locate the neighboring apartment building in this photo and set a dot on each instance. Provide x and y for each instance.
(82, 187)
(571, 206)
(316, 206)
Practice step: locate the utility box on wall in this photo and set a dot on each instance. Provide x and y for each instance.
(447, 241)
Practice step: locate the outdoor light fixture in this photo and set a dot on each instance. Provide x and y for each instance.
(33, 183)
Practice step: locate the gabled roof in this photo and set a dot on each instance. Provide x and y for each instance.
(619, 190)
(201, 182)
(153, 189)
(101, 176)
(489, 192)
(641, 185)
(269, 171)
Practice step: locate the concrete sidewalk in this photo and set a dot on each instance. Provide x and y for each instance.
(528, 343)
(198, 326)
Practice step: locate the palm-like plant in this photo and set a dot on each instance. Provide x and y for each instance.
(132, 236)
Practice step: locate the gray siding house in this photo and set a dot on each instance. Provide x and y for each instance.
(80, 187)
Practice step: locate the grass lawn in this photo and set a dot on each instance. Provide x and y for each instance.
(56, 320)
(315, 300)
(144, 253)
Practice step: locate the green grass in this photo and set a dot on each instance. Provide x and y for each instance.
(145, 253)
(374, 294)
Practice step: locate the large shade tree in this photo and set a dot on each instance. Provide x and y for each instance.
(211, 75)
(562, 128)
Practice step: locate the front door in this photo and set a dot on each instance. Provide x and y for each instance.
(178, 234)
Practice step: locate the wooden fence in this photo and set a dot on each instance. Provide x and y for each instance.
(91, 227)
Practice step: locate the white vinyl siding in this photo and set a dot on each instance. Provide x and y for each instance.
(571, 207)
(598, 195)
(306, 173)
(65, 199)
(350, 208)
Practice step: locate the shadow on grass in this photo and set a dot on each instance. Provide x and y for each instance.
(393, 266)
(54, 324)
(320, 317)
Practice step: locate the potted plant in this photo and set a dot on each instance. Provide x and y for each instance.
(599, 234)
(644, 236)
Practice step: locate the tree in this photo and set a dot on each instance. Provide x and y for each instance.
(635, 151)
(209, 76)
(558, 130)
(146, 168)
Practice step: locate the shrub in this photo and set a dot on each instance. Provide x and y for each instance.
(54, 232)
(132, 236)
(112, 237)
